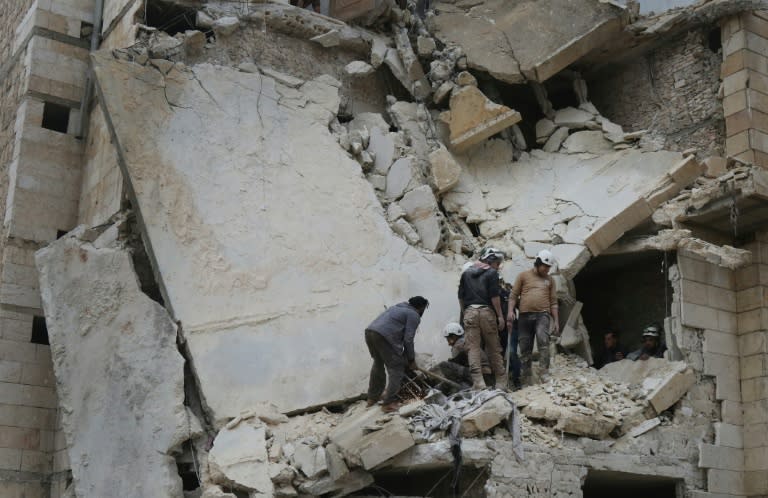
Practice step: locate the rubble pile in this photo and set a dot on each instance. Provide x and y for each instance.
(581, 401)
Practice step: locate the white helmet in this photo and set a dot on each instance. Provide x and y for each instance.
(491, 254)
(453, 328)
(545, 257)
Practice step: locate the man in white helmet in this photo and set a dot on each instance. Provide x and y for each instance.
(652, 346)
(457, 368)
(480, 304)
(536, 291)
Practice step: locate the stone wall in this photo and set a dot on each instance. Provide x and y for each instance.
(102, 185)
(671, 91)
(752, 289)
(745, 86)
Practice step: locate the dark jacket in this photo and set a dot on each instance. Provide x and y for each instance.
(398, 325)
(609, 356)
(478, 285)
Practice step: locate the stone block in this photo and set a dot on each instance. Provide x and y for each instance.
(35, 461)
(587, 141)
(715, 166)
(755, 435)
(403, 176)
(749, 299)
(735, 43)
(753, 320)
(671, 389)
(610, 231)
(489, 415)
(732, 412)
(27, 417)
(753, 343)
(10, 371)
(446, 171)
(702, 271)
(737, 143)
(735, 82)
(572, 118)
(756, 459)
(756, 482)
(10, 459)
(20, 438)
(725, 481)
(754, 389)
(474, 118)
(720, 343)
(721, 457)
(310, 460)
(753, 366)
(372, 448)
(755, 412)
(33, 396)
(556, 140)
(38, 374)
(731, 436)
(421, 211)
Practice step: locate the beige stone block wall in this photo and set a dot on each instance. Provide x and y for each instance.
(707, 303)
(751, 299)
(745, 86)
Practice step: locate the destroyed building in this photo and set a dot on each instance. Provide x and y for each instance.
(206, 201)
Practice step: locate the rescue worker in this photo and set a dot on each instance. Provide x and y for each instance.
(537, 293)
(390, 342)
(652, 346)
(457, 368)
(480, 305)
(612, 351)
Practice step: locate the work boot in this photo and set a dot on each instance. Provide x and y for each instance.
(391, 407)
(370, 403)
(502, 382)
(477, 382)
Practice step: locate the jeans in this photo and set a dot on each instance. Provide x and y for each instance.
(533, 325)
(385, 358)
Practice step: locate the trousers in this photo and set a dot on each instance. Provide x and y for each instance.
(388, 368)
(533, 325)
(482, 332)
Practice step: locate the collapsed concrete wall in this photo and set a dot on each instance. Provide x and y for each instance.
(119, 373)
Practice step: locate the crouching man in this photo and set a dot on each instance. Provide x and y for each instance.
(390, 342)
(457, 368)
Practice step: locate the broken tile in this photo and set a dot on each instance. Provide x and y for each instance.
(445, 170)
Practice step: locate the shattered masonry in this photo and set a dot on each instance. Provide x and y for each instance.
(201, 214)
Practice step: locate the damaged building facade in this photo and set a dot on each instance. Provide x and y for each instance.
(207, 201)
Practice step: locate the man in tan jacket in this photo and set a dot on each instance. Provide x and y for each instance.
(536, 291)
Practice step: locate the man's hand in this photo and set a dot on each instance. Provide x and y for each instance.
(556, 329)
(500, 321)
(644, 356)
(619, 356)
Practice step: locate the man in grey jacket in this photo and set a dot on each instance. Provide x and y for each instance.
(390, 341)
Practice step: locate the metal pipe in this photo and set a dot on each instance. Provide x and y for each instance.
(98, 18)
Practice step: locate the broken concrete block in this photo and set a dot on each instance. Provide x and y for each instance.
(213, 491)
(474, 118)
(572, 118)
(394, 212)
(544, 129)
(240, 455)
(282, 78)
(556, 140)
(532, 248)
(327, 39)
(337, 467)
(612, 131)
(465, 78)
(203, 20)
(378, 51)
(671, 389)
(402, 176)
(371, 448)
(571, 258)
(419, 88)
(382, 145)
(440, 70)
(592, 142)
(492, 413)
(579, 424)
(310, 459)
(442, 92)
(646, 426)
(446, 171)
(406, 230)
(225, 26)
(164, 46)
(349, 483)
(421, 210)
(425, 45)
(281, 473)
(358, 69)
(194, 42)
(101, 325)
(715, 166)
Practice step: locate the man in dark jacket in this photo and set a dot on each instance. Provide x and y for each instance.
(612, 350)
(390, 341)
(480, 303)
(652, 346)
